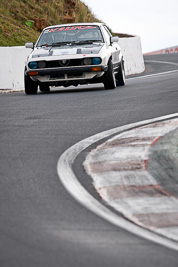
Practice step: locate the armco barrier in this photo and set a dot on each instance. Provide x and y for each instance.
(169, 50)
(12, 62)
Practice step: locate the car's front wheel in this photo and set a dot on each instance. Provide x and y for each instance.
(120, 77)
(31, 87)
(109, 77)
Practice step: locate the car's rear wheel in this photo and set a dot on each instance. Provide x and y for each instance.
(120, 77)
(44, 87)
(31, 87)
(109, 77)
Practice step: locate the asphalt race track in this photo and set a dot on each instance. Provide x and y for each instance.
(41, 224)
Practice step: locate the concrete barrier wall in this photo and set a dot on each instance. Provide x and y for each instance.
(12, 62)
(132, 53)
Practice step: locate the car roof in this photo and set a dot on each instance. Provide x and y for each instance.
(75, 24)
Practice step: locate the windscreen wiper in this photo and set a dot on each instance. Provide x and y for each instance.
(63, 43)
(88, 41)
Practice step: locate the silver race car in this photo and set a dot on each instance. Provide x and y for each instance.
(73, 54)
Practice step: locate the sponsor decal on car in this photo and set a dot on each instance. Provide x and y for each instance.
(59, 29)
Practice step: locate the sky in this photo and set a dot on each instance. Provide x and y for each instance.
(155, 21)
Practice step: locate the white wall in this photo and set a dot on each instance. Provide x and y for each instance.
(12, 62)
(132, 53)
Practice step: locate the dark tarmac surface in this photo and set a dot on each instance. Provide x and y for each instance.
(41, 225)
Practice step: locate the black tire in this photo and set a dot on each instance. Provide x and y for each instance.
(109, 77)
(31, 87)
(44, 87)
(120, 77)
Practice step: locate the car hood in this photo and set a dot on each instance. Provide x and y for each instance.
(61, 51)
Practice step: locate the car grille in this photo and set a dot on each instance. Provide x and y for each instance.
(57, 64)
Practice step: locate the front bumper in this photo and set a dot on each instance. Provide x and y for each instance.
(66, 70)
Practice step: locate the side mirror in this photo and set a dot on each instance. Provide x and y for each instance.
(114, 39)
(29, 45)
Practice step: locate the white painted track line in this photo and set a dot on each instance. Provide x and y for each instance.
(157, 74)
(152, 75)
(74, 187)
(162, 62)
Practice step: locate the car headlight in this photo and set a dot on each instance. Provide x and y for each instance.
(87, 61)
(41, 64)
(33, 65)
(96, 60)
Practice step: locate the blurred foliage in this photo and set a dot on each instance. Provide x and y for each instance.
(23, 20)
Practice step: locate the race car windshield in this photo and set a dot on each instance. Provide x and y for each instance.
(70, 35)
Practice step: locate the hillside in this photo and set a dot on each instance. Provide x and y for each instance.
(23, 20)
